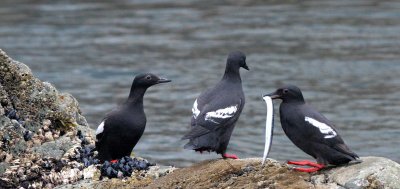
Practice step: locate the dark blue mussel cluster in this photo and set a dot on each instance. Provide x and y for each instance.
(123, 167)
(86, 152)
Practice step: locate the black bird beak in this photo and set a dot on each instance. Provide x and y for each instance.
(273, 95)
(245, 66)
(163, 80)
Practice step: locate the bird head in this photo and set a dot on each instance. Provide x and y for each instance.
(237, 59)
(288, 93)
(148, 79)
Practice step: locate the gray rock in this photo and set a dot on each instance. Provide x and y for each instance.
(55, 149)
(39, 115)
(160, 171)
(373, 172)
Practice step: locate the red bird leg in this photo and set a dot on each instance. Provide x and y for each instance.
(306, 163)
(230, 156)
(307, 170)
(315, 166)
(114, 161)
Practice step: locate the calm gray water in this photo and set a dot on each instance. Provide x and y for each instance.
(343, 54)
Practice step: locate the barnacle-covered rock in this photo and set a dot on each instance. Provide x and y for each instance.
(45, 142)
(34, 100)
(38, 125)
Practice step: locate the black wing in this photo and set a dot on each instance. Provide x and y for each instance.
(101, 137)
(323, 131)
(217, 113)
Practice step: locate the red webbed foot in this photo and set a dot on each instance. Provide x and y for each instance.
(230, 156)
(307, 170)
(114, 161)
(314, 166)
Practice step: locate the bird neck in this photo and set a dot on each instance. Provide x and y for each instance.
(232, 73)
(136, 96)
(294, 101)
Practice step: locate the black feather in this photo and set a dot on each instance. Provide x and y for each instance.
(210, 133)
(326, 147)
(124, 126)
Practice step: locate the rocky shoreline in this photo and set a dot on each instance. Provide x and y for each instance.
(45, 142)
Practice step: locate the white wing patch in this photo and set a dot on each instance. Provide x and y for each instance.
(100, 128)
(195, 110)
(323, 128)
(221, 113)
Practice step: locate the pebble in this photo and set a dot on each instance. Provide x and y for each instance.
(15, 123)
(40, 132)
(248, 169)
(48, 136)
(56, 134)
(45, 128)
(29, 150)
(12, 114)
(46, 124)
(89, 172)
(37, 141)
(261, 183)
(3, 155)
(28, 135)
(25, 184)
(8, 158)
(20, 172)
(29, 144)
(120, 174)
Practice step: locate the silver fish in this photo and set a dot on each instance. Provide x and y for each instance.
(269, 127)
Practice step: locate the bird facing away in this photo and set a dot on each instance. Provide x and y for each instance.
(310, 131)
(122, 128)
(217, 109)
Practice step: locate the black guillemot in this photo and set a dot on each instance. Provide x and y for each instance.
(217, 109)
(310, 131)
(122, 128)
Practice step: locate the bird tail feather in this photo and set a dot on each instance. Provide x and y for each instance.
(195, 132)
(189, 146)
(345, 150)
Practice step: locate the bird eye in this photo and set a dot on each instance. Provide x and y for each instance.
(285, 91)
(148, 77)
